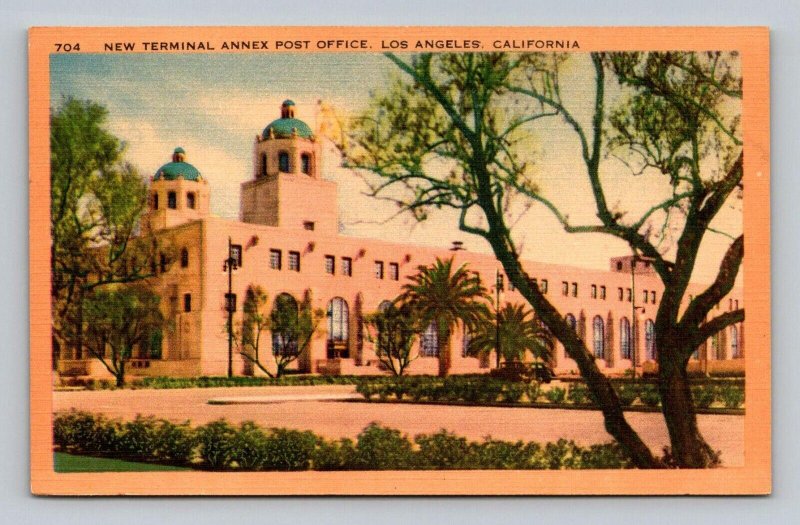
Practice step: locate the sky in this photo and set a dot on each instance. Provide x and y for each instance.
(213, 105)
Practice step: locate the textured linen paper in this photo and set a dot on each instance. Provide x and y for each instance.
(400, 261)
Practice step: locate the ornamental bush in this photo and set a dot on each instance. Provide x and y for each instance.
(704, 396)
(442, 450)
(381, 448)
(555, 394)
(732, 396)
(649, 396)
(578, 394)
(627, 394)
(215, 440)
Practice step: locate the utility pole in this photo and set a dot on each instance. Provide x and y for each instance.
(230, 264)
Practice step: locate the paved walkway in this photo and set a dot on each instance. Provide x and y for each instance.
(326, 415)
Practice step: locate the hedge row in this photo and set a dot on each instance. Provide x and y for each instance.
(487, 390)
(248, 447)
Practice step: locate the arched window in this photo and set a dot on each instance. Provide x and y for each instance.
(650, 340)
(284, 321)
(599, 336)
(155, 200)
(429, 342)
(263, 168)
(735, 352)
(172, 200)
(338, 328)
(572, 322)
(716, 348)
(190, 200)
(283, 162)
(184, 258)
(625, 339)
(305, 163)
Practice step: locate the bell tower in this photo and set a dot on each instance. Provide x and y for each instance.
(178, 193)
(287, 189)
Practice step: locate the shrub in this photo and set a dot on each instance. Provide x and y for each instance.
(703, 396)
(288, 449)
(513, 392)
(176, 443)
(85, 432)
(562, 454)
(334, 455)
(491, 389)
(533, 390)
(138, 438)
(366, 389)
(380, 448)
(732, 396)
(627, 394)
(649, 396)
(442, 450)
(555, 395)
(578, 394)
(604, 456)
(248, 447)
(215, 441)
(493, 454)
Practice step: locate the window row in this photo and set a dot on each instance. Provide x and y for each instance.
(347, 268)
(172, 200)
(284, 164)
(276, 260)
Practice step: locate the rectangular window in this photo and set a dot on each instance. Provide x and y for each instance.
(544, 286)
(653, 297)
(645, 295)
(330, 264)
(347, 266)
(155, 201)
(187, 302)
(564, 288)
(275, 259)
(603, 292)
(308, 225)
(574, 289)
(172, 200)
(190, 200)
(594, 291)
(379, 269)
(294, 261)
(736, 304)
(511, 286)
(619, 293)
(394, 272)
(629, 294)
(236, 254)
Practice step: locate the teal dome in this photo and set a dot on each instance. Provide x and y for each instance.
(177, 168)
(284, 127)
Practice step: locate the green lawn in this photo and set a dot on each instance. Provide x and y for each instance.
(70, 463)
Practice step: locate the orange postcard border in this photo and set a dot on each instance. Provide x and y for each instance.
(753, 478)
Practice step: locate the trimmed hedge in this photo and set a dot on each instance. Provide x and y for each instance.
(224, 447)
(488, 390)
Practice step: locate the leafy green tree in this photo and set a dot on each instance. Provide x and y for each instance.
(454, 131)
(520, 332)
(292, 327)
(445, 296)
(392, 332)
(97, 200)
(119, 320)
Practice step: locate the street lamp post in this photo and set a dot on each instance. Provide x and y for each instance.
(498, 288)
(229, 265)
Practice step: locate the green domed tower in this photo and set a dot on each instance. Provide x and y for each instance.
(286, 189)
(178, 193)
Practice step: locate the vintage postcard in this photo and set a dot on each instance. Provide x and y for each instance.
(417, 260)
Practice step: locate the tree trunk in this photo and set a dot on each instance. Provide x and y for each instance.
(689, 449)
(121, 374)
(445, 359)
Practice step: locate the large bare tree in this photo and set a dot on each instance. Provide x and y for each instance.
(454, 131)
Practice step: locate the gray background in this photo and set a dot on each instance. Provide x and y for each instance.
(17, 506)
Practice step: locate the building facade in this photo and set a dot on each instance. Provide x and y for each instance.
(287, 242)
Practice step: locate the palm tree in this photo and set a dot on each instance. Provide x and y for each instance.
(445, 297)
(520, 331)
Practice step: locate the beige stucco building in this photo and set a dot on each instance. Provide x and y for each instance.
(287, 242)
